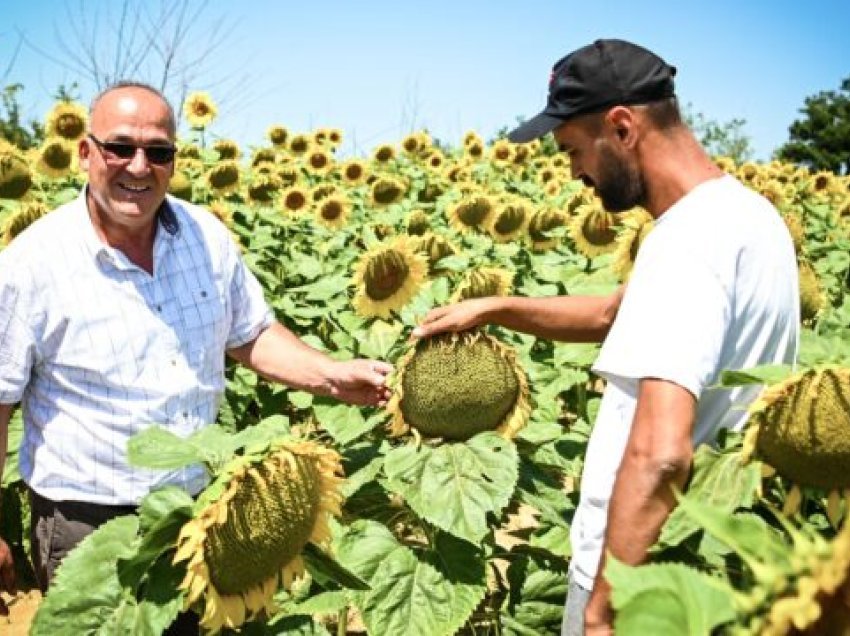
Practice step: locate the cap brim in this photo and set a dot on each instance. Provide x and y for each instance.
(534, 128)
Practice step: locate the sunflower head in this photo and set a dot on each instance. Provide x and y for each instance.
(431, 191)
(15, 176)
(67, 120)
(227, 149)
(263, 155)
(540, 224)
(295, 200)
(56, 158)
(224, 176)
(811, 291)
(386, 191)
(335, 137)
(594, 230)
(434, 247)
(200, 110)
(502, 152)
(509, 220)
(383, 154)
(474, 151)
(250, 527)
(482, 282)
(299, 144)
(796, 228)
(288, 175)
(418, 223)
(26, 215)
(263, 187)
(800, 427)
(455, 385)
(634, 231)
(435, 160)
(387, 277)
(353, 172)
(180, 185)
(318, 161)
(333, 211)
(471, 212)
(411, 144)
(188, 151)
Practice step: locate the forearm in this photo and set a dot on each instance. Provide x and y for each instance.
(564, 318)
(5, 418)
(279, 355)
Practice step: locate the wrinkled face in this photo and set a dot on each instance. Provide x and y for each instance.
(127, 192)
(598, 160)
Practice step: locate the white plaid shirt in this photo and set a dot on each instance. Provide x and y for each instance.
(96, 349)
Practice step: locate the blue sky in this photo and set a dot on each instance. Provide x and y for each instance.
(379, 69)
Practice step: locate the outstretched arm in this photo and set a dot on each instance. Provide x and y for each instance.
(565, 318)
(279, 355)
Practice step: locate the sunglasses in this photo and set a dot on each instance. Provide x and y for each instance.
(159, 155)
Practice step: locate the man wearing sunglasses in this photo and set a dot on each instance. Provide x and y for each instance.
(116, 311)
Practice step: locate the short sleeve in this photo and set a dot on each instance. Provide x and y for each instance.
(672, 322)
(250, 313)
(17, 342)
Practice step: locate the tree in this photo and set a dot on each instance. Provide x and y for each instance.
(720, 139)
(821, 139)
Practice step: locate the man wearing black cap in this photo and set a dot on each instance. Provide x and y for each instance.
(714, 287)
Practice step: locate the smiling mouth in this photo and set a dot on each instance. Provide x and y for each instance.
(134, 189)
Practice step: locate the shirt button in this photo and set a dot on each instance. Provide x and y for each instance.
(174, 363)
(159, 308)
(203, 294)
(185, 414)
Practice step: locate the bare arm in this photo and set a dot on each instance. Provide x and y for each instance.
(280, 356)
(565, 318)
(658, 456)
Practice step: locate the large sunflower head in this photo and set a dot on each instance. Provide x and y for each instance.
(434, 247)
(26, 215)
(540, 224)
(456, 385)
(801, 427)
(387, 277)
(634, 231)
(471, 212)
(55, 158)
(250, 527)
(594, 230)
(227, 149)
(200, 110)
(15, 175)
(386, 191)
(224, 176)
(509, 220)
(333, 211)
(482, 282)
(67, 120)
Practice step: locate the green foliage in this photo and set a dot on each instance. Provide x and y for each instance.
(820, 139)
(13, 128)
(720, 139)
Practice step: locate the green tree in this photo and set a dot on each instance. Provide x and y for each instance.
(720, 139)
(821, 139)
(12, 127)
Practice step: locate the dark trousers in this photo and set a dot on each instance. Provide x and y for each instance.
(58, 526)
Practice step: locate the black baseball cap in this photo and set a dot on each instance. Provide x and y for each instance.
(595, 77)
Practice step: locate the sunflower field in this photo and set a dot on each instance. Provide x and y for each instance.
(449, 511)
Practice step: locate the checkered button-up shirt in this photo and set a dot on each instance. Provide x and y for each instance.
(96, 349)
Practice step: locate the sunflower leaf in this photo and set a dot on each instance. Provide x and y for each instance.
(765, 374)
(428, 594)
(324, 568)
(455, 486)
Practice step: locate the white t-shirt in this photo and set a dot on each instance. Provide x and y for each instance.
(714, 287)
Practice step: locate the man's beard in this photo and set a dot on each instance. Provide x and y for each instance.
(620, 186)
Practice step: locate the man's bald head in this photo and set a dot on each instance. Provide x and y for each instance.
(128, 85)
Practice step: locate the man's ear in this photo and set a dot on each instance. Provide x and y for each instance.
(624, 124)
(84, 152)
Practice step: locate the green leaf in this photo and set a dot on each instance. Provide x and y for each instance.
(668, 598)
(343, 422)
(158, 448)
(380, 338)
(455, 486)
(15, 433)
(162, 502)
(322, 603)
(429, 595)
(720, 480)
(765, 374)
(323, 568)
(301, 399)
(86, 594)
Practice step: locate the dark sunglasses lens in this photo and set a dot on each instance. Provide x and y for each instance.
(124, 151)
(159, 154)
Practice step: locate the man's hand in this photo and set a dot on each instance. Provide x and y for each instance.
(361, 382)
(7, 575)
(458, 317)
(598, 616)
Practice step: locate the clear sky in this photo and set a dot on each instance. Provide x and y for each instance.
(379, 69)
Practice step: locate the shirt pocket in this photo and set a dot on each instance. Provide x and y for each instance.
(201, 308)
